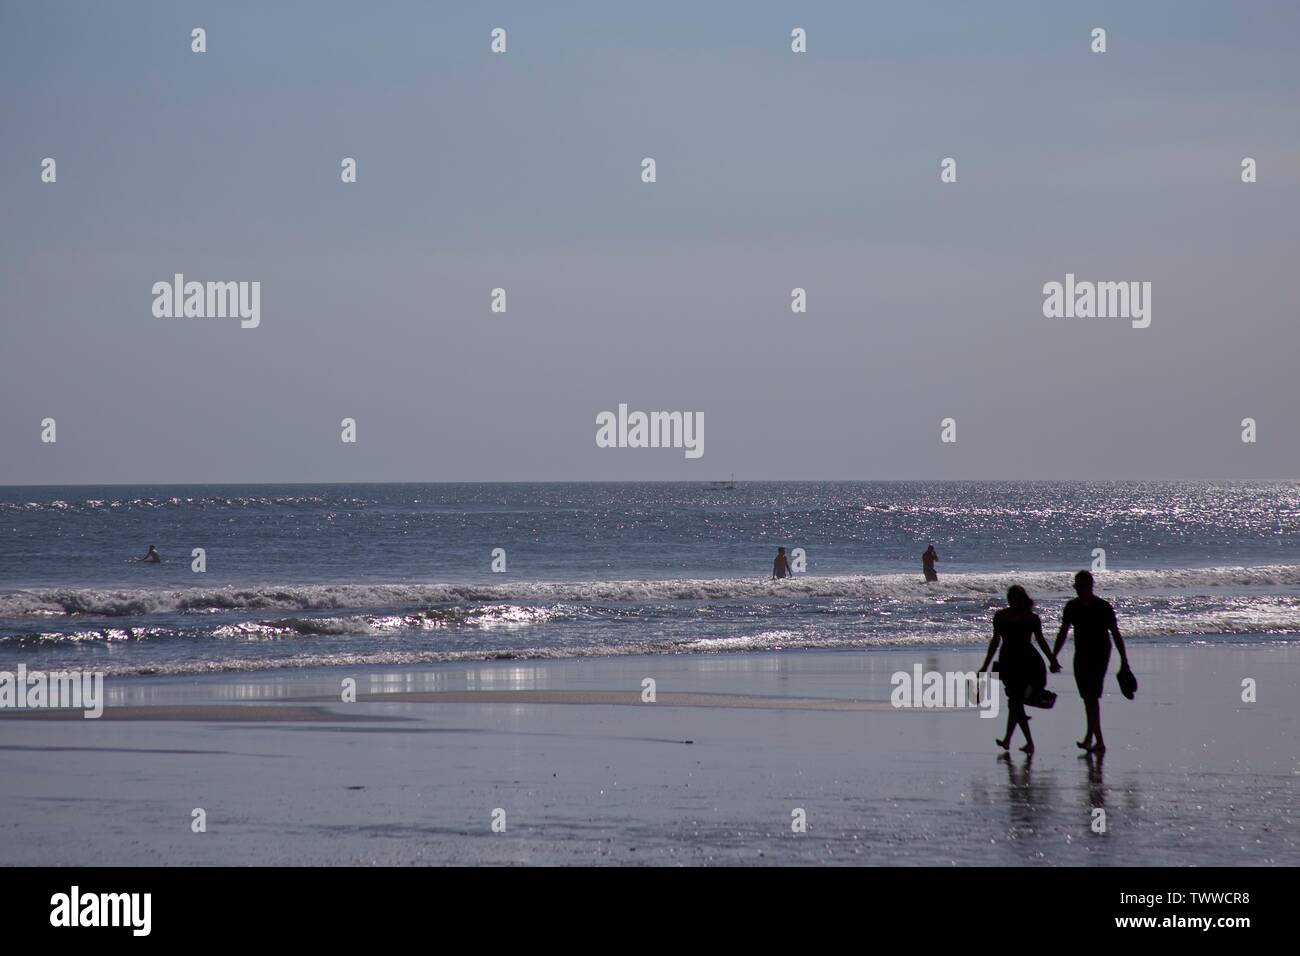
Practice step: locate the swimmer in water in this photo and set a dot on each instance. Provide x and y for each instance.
(927, 563)
(781, 565)
(152, 557)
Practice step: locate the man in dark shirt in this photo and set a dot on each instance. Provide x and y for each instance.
(1094, 625)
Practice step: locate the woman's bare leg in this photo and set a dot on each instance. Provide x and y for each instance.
(1005, 742)
(1029, 738)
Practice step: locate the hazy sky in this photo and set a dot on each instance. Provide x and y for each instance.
(523, 171)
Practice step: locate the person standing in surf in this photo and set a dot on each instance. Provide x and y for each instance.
(927, 563)
(1022, 671)
(781, 565)
(1094, 626)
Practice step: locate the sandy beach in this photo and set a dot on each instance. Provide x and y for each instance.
(415, 769)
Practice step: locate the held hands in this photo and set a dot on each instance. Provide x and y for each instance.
(1056, 666)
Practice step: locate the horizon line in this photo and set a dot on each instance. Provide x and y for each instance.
(655, 481)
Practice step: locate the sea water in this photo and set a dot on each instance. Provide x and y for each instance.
(346, 574)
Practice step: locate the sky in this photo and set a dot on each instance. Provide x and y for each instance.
(523, 171)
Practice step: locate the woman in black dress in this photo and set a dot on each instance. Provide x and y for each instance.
(1021, 669)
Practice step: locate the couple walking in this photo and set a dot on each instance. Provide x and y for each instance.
(1022, 671)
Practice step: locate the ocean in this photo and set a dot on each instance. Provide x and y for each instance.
(305, 575)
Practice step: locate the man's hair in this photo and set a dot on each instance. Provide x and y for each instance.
(1084, 577)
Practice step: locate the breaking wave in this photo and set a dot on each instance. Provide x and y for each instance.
(136, 602)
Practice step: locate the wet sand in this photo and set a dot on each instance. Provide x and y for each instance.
(415, 770)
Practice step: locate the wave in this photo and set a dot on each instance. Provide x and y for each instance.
(466, 633)
(201, 501)
(357, 625)
(140, 602)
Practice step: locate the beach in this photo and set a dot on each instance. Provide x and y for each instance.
(349, 677)
(714, 771)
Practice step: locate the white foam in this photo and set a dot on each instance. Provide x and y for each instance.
(109, 602)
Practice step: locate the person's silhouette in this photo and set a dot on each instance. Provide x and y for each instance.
(1021, 669)
(927, 563)
(781, 565)
(152, 556)
(1094, 625)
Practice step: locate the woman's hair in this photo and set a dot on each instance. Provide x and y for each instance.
(1018, 598)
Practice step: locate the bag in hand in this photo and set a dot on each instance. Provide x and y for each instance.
(1040, 697)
